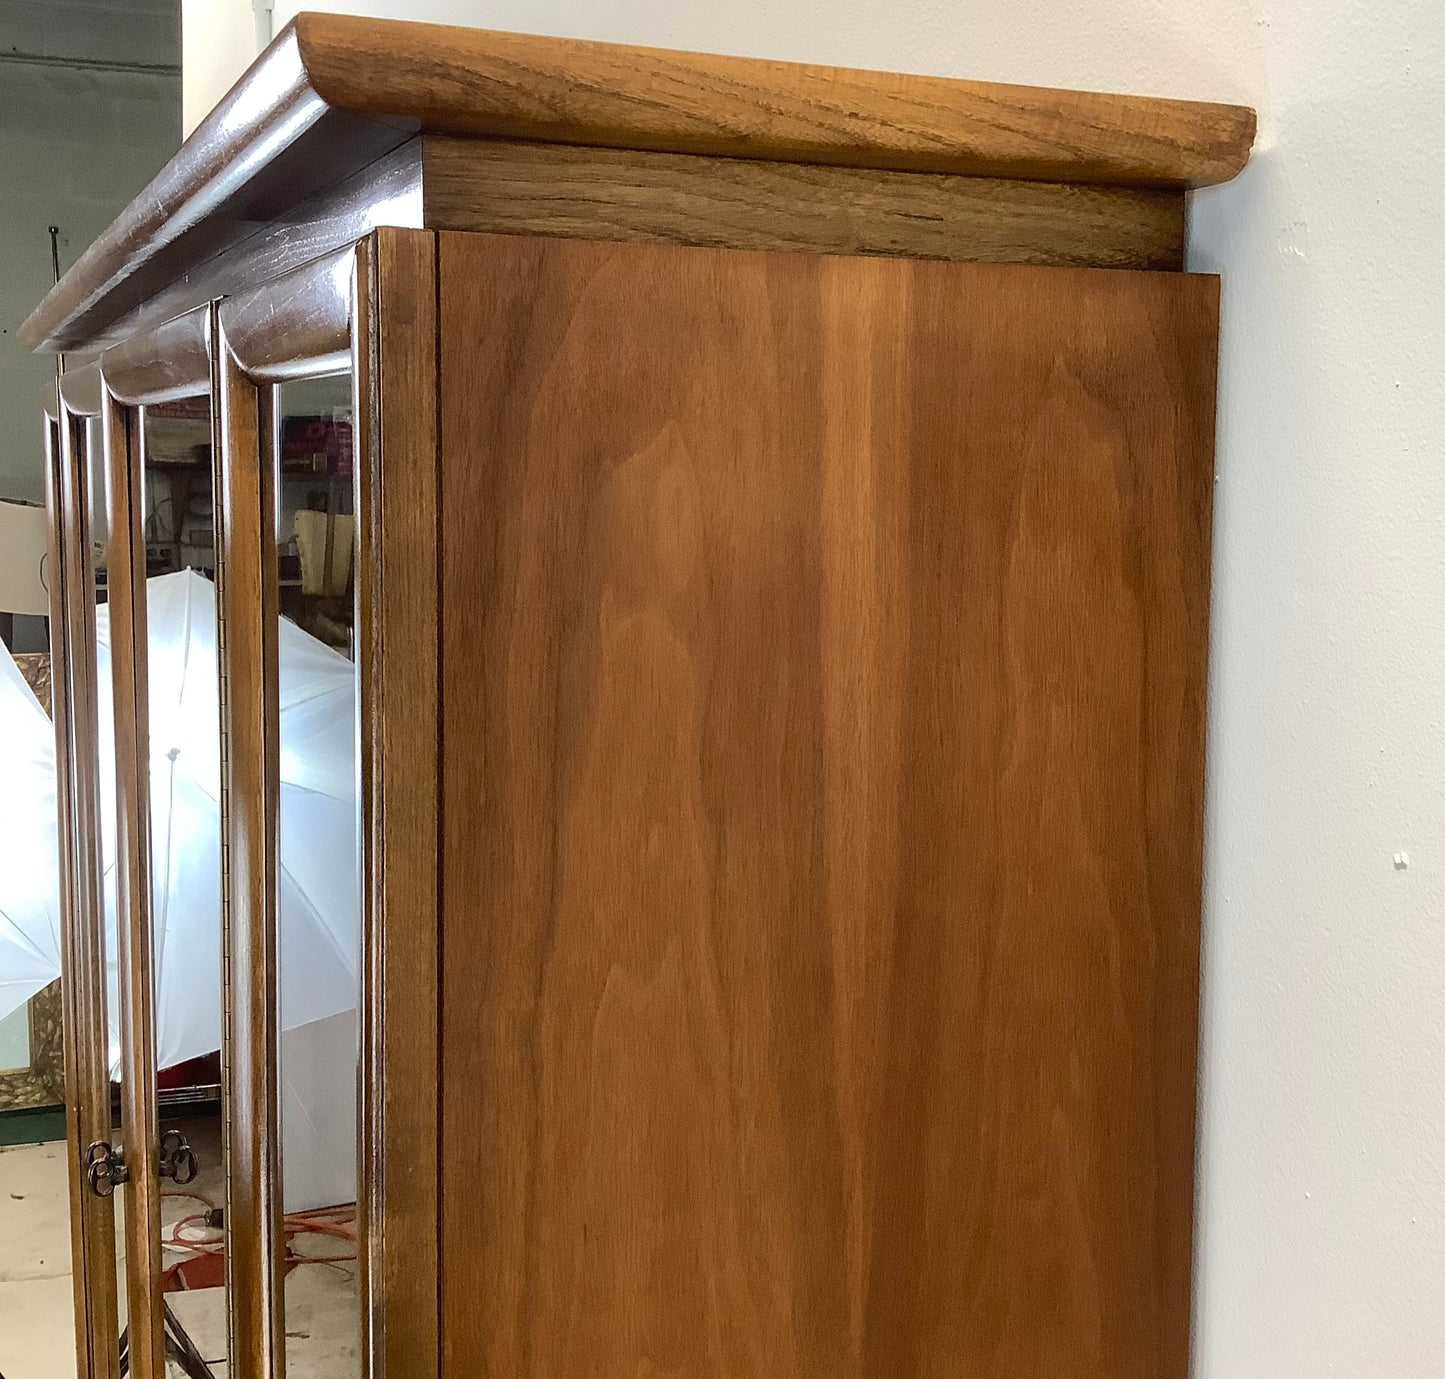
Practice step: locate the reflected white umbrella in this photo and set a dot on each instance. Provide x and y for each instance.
(318, 884)
(29, 856)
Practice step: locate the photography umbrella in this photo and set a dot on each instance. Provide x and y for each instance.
(318, 884)
(29, 857)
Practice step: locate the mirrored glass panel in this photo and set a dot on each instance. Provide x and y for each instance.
(318, 882)
(184, 715)
(31, 936)
(37, 1267)
(39, 1273)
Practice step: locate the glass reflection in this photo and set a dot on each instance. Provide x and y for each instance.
(318, 882)
(182, 685)
(37, 1268)
(35, 1254)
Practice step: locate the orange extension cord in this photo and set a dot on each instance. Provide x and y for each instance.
(203, 1265)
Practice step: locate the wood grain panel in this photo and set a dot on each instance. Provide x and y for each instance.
(396, 382)
(822, 678)
(509, 187)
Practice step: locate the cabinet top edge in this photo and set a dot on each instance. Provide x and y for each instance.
(333, 93)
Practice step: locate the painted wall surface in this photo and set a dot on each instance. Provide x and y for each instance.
(218, 43)
(1322, 1136)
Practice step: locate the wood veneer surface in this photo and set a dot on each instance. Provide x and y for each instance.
(822, 663)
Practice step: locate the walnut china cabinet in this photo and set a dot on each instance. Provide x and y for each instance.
(630, 649)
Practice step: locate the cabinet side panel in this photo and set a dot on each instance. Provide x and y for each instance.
(401, 767)
(823, 666)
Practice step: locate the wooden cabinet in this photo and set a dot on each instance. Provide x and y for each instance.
(778, 626)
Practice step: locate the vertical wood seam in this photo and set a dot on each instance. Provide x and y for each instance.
(440, 755)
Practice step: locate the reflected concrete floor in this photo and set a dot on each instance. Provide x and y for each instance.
(37, 1338)
(37, 1308)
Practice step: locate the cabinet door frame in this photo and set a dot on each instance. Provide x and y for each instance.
(113, 392)
(318, 320)
(68, 405)
(170, 362)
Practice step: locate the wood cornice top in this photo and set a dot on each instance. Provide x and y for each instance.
(334, 92)
(523, 86)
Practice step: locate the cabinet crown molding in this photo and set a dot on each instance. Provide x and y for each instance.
(335, 93)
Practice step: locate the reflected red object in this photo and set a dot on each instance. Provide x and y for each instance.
(194, 1072)
(315, 445)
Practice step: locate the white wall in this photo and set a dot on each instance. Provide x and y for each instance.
(1323, 1201)
(218, 43)
(1322, 1191)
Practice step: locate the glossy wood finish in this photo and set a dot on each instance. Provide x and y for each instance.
(386, 192)
(250, 788)
(135, 947)
(335, 93)
(510, 187)
(822, 685)
(270, 144)
(165, 364)
(395, 372)
(83, 967)
(295, 326)
(79, 389)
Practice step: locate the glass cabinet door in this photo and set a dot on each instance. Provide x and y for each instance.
(156, 769)
(225, 1031)
(137, 668)
(85, 798)
(288, 539)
